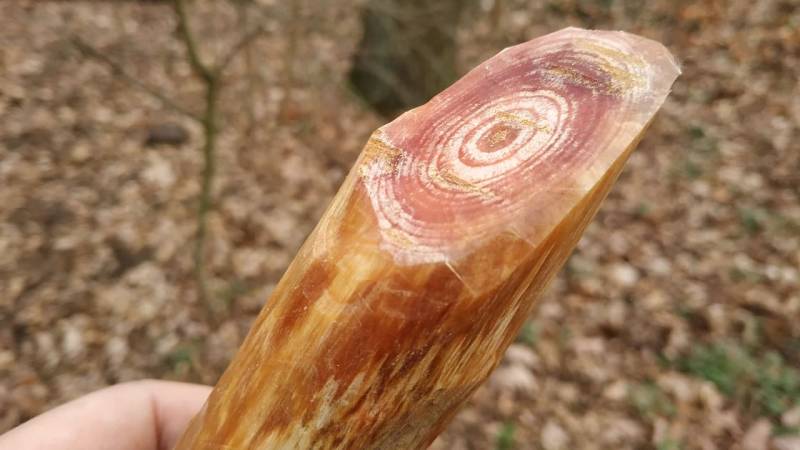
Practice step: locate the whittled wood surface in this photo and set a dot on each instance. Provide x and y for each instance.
(454, 218)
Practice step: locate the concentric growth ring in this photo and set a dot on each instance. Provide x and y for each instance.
(466, 163)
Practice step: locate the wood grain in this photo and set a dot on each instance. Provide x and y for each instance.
(430, 257)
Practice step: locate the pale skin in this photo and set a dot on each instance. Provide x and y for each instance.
(141, 415)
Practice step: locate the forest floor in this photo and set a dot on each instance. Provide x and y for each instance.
(675, 325)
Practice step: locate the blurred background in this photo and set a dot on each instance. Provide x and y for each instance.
(159, 168)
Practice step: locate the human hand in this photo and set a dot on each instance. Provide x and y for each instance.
(141, 415)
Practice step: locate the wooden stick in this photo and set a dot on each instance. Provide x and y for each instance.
(429, 259)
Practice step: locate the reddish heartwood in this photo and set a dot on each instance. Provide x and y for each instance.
(431, 255)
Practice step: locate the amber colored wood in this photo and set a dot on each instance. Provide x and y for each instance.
(431, 255)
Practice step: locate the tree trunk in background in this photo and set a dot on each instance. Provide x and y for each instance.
(407, 53)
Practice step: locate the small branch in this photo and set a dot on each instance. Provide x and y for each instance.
(206, 203)
(91, 52)
(210, 77)
(240, 45)
(202, 70)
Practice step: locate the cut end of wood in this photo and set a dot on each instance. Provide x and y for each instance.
(514, 144)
